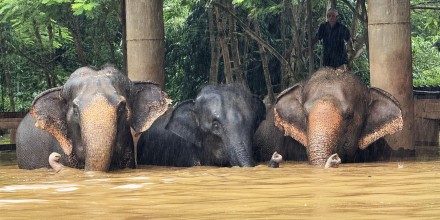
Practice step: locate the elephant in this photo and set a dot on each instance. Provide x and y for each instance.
(89, 121)
(268, 139)
(215, 129)
(333, 112)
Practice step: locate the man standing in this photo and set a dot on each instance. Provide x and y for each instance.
(333, 35)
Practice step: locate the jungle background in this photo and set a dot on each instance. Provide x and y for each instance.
(257, 42)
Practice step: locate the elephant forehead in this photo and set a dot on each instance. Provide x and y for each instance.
(224, 109)
(345, 100)
(210, 102)
(93, 84)
(99, 108)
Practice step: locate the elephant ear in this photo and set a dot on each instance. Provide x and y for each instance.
(184, 124)
(148, 102)
(49, 111)
(289, 114)
(384, 117)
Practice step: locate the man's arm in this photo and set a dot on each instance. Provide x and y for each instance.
(315, 38)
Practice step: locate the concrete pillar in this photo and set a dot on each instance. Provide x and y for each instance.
(145, 40)
(389, 36)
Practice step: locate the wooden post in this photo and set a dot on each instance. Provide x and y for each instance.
(310, 36)
(389, 37)
(145, 40)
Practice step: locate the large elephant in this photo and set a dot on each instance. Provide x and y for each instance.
(215, 129)
(89, 121)
(333, 112)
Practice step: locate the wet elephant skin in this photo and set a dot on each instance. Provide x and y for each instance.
(333, 112)
(88, 121)
(214, 129)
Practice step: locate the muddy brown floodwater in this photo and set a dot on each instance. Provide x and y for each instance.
(391, 190)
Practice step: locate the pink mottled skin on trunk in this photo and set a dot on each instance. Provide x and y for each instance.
(99, 132)
(323, 127)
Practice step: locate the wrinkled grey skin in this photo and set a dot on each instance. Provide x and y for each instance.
(88, 121)
(268, 139)
(215, 129)
(333, 112)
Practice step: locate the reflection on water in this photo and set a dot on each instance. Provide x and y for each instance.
(405, 190)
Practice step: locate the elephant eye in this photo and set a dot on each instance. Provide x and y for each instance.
(216, 126)
(75, 111)
(349, 115)
(121, 107)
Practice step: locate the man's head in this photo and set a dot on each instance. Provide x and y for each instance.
(332, 16)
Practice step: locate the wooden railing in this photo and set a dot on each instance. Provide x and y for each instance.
(426, 121)
(10, 120)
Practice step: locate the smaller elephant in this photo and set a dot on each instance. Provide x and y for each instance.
(215, 129)
(333, 112)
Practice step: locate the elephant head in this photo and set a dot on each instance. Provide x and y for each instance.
(333, 112)
(92, 113)
(221, 122)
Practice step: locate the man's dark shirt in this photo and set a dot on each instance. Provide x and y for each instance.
(333, 42)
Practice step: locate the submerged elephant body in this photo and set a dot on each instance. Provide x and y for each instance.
(214, 129)
(88, 121)
(333, 112)
(268, 139)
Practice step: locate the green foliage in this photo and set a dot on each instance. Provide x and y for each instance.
(426, 62)
(426, 57)
(187, 48)
(29, 56)
(26, 55)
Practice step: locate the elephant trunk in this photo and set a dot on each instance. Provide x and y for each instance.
(99, 135)
(323, 132)
(240, 152)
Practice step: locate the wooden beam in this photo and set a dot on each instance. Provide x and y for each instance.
(427, 108)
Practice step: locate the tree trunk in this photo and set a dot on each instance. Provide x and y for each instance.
(221, 24)
(297, 58)
(73, 27)
(51, 56)
(310, 36)
(365, 26)
(39, 47)
(357, 43)
(252, 34)
(215, 56)
(245, 56)
(237, 70)
(145, 40)
(331, 4)
(7, 75)
(264, 62)
(9, 89)
(285, 52)
(124, 37)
